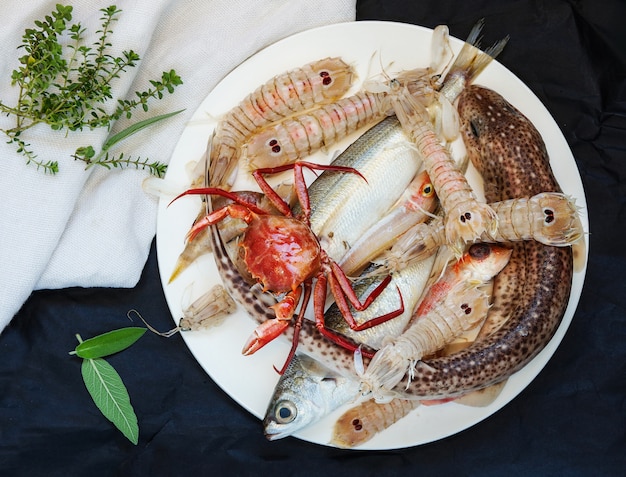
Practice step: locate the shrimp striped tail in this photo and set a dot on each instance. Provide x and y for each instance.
(301, 135)
(465, 217)
(292, 92)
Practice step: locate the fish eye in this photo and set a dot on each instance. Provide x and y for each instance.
(479, 251)
(474, 128)
(428, 190)
(285, 412)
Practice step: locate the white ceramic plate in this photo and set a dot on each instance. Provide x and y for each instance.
(251, 380)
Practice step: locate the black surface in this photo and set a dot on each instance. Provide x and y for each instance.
(569, 421)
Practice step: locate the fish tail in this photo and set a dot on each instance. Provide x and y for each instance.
(471, 58)
(470, 62)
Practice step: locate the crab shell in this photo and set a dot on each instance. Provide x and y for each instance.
(280, 252)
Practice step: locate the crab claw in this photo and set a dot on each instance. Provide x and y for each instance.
(198, 227)
(263, 334)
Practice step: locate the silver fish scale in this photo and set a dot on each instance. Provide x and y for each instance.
(361, 202)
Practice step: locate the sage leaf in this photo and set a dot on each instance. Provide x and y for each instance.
(133, 128)
(110, 396)
(109, 343)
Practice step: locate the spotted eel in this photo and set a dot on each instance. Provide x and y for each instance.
(532, 292)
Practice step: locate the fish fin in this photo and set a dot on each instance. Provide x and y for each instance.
(470, 61)
(483, 397)
(423, 366)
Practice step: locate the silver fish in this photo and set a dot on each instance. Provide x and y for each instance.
(416, 205)
(305, 393)
(347, 206)
(410, 281)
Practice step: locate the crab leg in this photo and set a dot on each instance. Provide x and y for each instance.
(263, 334)
(341, 289)
(318, 301)
(297, 327)
(284, 255)
(270, 329)
(300, 184)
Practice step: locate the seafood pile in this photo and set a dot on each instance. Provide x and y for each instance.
(396, 283)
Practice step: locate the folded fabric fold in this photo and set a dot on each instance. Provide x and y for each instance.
(94, 227)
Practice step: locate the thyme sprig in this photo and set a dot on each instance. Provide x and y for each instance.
(68, 85)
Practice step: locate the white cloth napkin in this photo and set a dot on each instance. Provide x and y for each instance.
(94, 228)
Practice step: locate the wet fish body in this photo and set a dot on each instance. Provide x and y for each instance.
(379, 154)
(410, 281)
(346, 205)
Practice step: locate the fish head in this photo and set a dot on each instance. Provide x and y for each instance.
(304, 394)
(476, 107)
(496, 135)
(420, 195)
(483, 261)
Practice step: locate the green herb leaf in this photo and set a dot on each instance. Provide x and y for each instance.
(110, 396)
(65, 84)
(132, 129)
(109, 343)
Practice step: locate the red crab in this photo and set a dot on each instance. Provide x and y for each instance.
(284, 255)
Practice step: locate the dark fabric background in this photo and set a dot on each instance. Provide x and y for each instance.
(569, 421)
